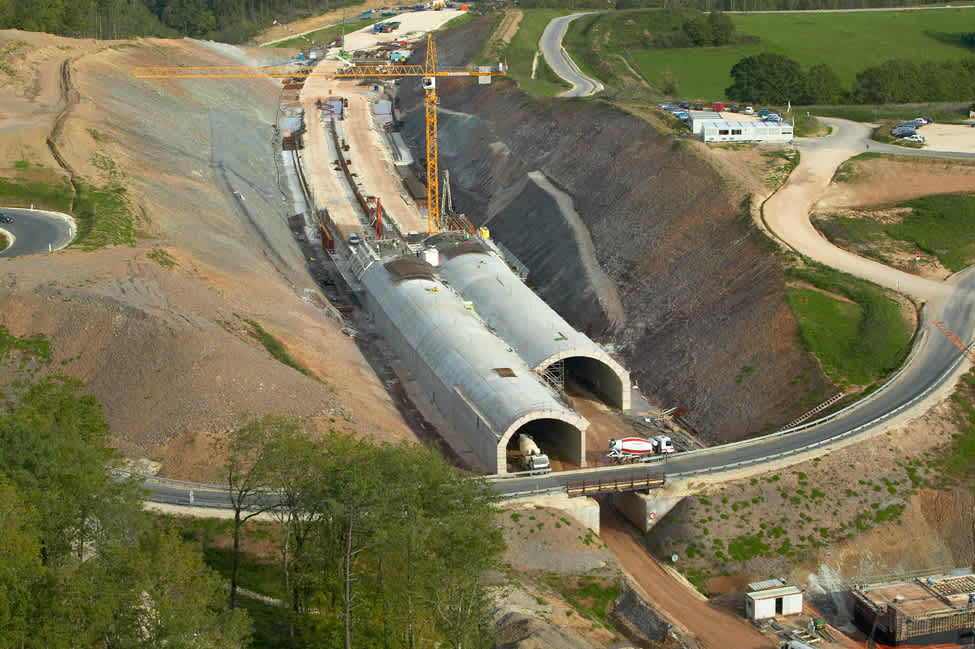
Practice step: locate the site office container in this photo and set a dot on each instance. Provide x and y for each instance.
(766, 604)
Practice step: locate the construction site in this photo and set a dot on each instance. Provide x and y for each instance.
(925, 611)
(486, 351)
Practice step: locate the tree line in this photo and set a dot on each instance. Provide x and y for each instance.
(724, 5)
(776, 79)
(232, 21)
(381, 546)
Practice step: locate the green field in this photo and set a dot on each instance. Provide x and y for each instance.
(860, 339)
(848, 42)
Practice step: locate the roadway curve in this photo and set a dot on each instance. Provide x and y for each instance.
(935, 359)
(933, 364)
(35, 230)
(559, 60)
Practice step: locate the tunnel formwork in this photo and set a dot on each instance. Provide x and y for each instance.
(530, 326)
(482, 387)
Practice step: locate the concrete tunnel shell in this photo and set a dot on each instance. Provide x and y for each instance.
(526, 322)
(453, 355)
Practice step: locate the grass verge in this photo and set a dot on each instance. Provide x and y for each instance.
(939, 226)
(852, 326)
(520, 53)
(273, 345)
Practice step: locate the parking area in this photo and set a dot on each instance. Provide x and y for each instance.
(949, 137)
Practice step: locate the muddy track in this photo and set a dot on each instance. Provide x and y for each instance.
(69, 99)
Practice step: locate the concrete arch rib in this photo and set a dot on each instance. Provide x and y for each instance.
(562, 426)
(602, 374)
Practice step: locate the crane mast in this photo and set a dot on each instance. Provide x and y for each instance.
(428, 72)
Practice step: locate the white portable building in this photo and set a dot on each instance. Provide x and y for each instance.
(699, 118)
(772, 602)
(720, 131)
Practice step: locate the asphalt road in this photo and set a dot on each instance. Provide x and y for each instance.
(559, 60)
(936, 358)
(35, 230)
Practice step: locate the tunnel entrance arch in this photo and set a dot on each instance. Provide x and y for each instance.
(560, 435)
(602, 376)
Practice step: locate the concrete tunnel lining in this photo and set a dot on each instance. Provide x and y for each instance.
(477, 381)
(566, 425)
(525, 321)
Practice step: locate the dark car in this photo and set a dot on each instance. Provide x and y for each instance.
(736, 108)
(685, 104)
(6, 218)
(699, 105)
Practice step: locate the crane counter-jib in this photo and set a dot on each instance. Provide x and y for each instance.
(293, 75)
(244, 72)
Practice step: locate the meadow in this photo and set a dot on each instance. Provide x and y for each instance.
(848, 42)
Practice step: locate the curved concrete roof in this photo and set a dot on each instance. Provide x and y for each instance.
(539, 334)
(466, 357)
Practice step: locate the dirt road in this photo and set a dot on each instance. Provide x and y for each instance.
(787, 213)
(711, 627)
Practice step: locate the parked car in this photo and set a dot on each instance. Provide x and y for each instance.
(914, 138)
(749, 110)
(6, 218)
(699, 105)
(736, 108)
(919, 122)
(685, 104)
(903, 131)
(772, 117)
(762, 112)
(354, 239)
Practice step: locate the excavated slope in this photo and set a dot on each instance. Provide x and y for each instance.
(634, 238)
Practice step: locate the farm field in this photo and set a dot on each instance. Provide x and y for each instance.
(847, 42)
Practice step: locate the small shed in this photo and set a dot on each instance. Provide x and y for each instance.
(773, 602)
(721, 131)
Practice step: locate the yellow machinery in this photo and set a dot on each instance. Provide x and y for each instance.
(428, 72)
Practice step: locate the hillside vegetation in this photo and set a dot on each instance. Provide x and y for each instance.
(232, 21)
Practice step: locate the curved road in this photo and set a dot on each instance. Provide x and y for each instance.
(559, 60)
(787, 214)
(35, 230)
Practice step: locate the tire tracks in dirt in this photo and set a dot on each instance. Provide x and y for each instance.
(69, 99)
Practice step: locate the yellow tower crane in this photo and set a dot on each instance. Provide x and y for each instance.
(429, 72)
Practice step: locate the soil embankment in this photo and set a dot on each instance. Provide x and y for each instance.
(159, 331)
(642, 245)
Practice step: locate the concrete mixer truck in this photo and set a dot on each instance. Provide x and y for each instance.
(532, 458)
(638, 449)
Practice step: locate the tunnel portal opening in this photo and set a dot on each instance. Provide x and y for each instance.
(591, 374)
(563, 443)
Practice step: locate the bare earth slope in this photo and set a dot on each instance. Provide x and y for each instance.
(696, 297)
(164, 349)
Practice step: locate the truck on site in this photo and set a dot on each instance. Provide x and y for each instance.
(639, 449)
(531, 457)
